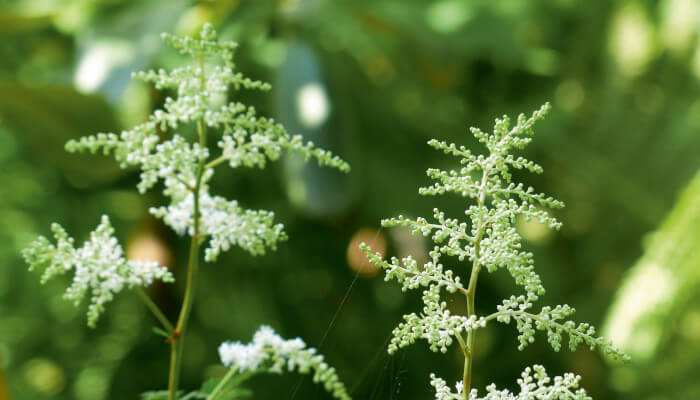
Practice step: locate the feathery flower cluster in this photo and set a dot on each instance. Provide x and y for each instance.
(271, 353)
(246, 140)
(225, 223)
(435, 324)
(185, 166)
(554, 322)
(489, 240)
(534, 383)
(99, 266)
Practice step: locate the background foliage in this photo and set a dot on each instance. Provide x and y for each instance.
(372, 80)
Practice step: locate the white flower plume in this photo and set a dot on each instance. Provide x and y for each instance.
(270, 352)
(99, 266)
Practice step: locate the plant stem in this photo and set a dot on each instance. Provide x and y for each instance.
(222, 383)
(172, 371)
(177, 344)
(462, 344)
(215, 162)
(179, 334)
(471, 292)
(155, 310)
(469, 351)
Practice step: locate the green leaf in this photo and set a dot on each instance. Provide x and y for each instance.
(194, 395)
(160, 332)
(230, 394)
(230, 390)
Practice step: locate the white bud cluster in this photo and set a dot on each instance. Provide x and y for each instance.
(225, 223)
(99, 266)
(269, 352)
(534, 384)
(555, 322)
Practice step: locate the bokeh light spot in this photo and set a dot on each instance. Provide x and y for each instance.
(569, 95)
(357, 260)
(44, 376)
(99, 60)
(679, 23)
(448, 15)
(147, 246)
(91, 384)
(408, 244)
(313, 107)
(533, 231)
(631, 40)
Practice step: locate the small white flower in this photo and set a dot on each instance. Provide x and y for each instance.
(243, 356)
(224, 223)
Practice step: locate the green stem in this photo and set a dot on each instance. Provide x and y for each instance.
(469, 347)
(462, 344)
(469, 351)
(470, 294)
(172, 375)
(181, 327)
(213, 163)
(155, 310)
(176, 349)
(230, 374)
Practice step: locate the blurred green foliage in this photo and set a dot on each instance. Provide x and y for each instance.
(372, 80)
(655, 316)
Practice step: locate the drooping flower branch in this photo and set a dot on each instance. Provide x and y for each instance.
(268, 352)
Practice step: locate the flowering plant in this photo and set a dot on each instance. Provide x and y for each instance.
(488, 240)
(185, 166)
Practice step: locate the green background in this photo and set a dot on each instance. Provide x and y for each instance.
(620, 147)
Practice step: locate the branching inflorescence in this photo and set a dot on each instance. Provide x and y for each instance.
(487, 239)
(185, 166)
(268, 352)
(99, 266)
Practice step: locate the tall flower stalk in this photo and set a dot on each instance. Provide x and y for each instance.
(488, 240)
(185, 166)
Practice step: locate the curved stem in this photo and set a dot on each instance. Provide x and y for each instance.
(155, 310)
(222, 383)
